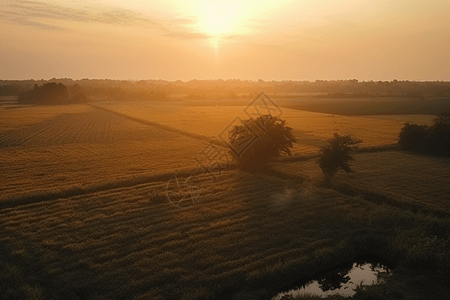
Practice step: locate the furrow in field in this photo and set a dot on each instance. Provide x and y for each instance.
(405, 180)
(89, 147)
(117, 232)
(312, 130)
(161, 125)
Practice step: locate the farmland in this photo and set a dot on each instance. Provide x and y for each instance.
(404, 179)
(311, 128)
(49, 149)
(248, 236)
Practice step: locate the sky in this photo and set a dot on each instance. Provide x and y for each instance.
(214, 39)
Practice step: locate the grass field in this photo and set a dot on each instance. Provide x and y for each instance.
(415, 119)
(311, 129)
(78, 145)
(249, 235)
(408, 180)
(369, 106)
(108, 231)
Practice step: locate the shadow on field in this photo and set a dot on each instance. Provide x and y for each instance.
(27, 274)
(379, 198)
(287, 241)
(299, 230)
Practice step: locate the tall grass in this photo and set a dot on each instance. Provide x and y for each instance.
(249, 236)
(311, 129)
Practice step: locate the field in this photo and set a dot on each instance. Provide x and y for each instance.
(45, 149)
(369, 106)
(8, 101)
(84, 212)
(402, 179)
(312, 129)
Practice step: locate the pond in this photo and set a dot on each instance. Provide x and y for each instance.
(342, 281)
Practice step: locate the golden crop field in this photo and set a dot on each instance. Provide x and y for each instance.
(85, 212)
(311, 129)
(251, 234)
(400, 178)
(56, 148)
(414, 119)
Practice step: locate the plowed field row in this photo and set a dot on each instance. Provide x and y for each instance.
(130, 242)
(67, 149)
(311, 129)
(400, 176)
(246, 230)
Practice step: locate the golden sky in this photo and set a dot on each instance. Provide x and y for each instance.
(212, 39)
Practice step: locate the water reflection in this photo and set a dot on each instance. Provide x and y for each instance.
(341, 281)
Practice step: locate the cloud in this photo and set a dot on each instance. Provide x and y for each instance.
(47, 16)
(43, 15)
(187, 35)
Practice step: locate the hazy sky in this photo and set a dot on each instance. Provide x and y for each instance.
(210, 39)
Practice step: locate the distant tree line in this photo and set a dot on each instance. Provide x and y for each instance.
(12, 89)
(53, 93)
(59, 93)
(434, 139)
(371, 95)
(159, 89)
(394, 88)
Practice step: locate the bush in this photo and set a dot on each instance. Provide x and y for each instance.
(336, 155)
(412, 137)
(260, 139)
(434, 139)
(438, 138)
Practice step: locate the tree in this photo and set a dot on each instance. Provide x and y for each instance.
(336, 155)
(77, 94)
(48, 93)
(257, 141)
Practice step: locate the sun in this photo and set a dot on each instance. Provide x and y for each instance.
(219, 18)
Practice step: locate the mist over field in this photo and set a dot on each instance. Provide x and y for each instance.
(209, 150)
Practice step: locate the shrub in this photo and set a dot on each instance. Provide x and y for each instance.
(412, 137)
(434, 139)
(438, 138)
(336, 155)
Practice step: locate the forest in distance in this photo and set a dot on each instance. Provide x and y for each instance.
(109, 190)
(345, 97)
(235, 88)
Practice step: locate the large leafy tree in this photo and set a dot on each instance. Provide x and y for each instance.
(257, 141)
(336, 155)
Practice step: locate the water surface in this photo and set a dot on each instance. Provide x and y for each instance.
(341, 281)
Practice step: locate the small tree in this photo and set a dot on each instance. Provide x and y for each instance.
(336, 155)
(260, 140)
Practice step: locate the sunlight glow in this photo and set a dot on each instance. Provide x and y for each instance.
(283, 39)
(219, 18)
